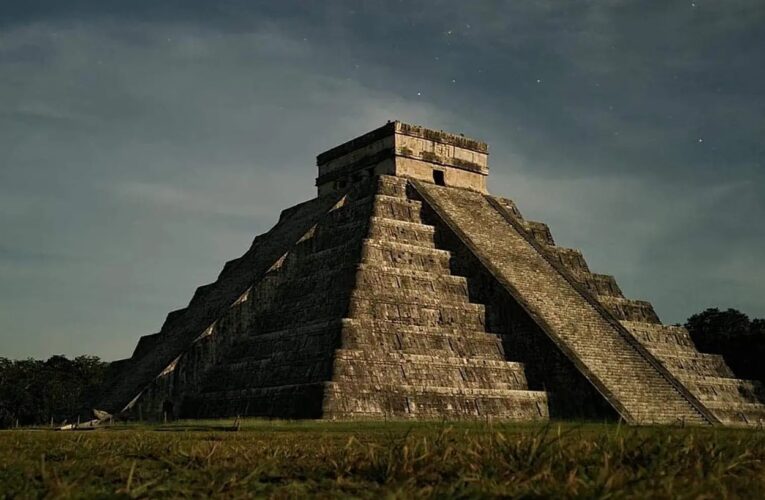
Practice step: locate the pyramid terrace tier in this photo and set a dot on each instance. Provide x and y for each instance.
(378, 337)
(362, 401)
(427, 370)
(442, 340)
(738, 414)
(338, 400)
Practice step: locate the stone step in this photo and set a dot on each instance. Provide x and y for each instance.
(629, 309)
(325, 236)
(348, 400)
(289, 289)
(286, 367)
(401, 255)
(694, 363)
(540, 232)
(412, 233)
(511, 208)
(330, 258)
(391, 186)
(283, 401)
(372, 280)
(202, 292)
(418, 274)
(662, 350)
(307, 339)
(571, 259)
(724, 389)
(743, 414)
(307, 311)
(383, 326)
(324, 336)
(352, 210)
(601, 285)
(403, 209)
(473, 344)
(228, 266)
(467, 315)
(660, 336)
(427, 370)
(412, 296)
(368, 280)
(311, 301)
(436, 359)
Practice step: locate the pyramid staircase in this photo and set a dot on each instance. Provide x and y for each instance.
(706, 376)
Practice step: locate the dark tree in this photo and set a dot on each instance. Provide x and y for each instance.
(731, 334)
(713, 329)
(34, 391)
(757, 328)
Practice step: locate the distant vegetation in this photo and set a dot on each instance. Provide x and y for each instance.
(732, 334)
(32, 392)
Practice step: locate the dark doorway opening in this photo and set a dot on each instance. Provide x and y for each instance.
(438, 178)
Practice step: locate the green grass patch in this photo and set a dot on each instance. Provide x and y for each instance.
(379, 459)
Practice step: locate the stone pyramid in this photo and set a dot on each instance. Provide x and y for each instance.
(405, 290)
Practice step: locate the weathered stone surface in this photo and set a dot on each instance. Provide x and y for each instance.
(405, 151)
(632, 380)
(395, 296)
(732, 401)
(182, 327)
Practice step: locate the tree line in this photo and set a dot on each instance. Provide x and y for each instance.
(37, 392)
(733, 335)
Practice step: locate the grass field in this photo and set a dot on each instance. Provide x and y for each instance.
(373, 460)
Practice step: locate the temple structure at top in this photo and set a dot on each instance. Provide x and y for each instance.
(409, 151)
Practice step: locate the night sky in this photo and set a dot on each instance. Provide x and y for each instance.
(144, 143)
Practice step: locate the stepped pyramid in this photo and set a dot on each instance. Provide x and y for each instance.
(405, 290)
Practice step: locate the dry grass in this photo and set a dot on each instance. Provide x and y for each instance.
(372, 460)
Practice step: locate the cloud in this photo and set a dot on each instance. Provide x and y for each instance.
(153, 154)
(142, 145)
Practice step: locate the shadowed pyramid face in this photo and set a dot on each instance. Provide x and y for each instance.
(408, 151)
